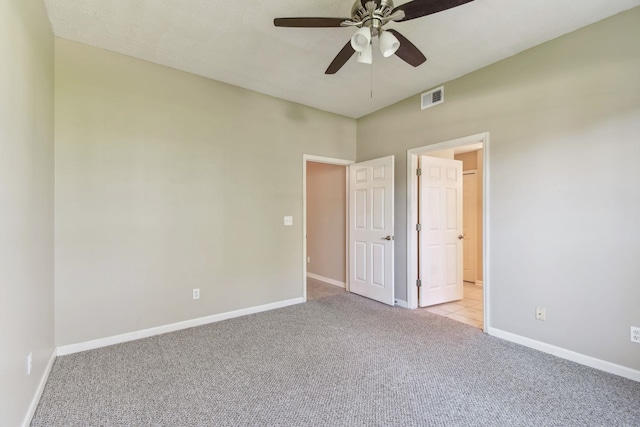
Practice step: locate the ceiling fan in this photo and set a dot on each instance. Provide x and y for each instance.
(370, 16)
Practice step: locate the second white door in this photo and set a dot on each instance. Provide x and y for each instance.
(470, 226)
(440, 240)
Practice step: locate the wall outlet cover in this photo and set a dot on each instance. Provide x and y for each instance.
(635, 334)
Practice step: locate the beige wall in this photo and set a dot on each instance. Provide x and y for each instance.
(326, 220)
(563, 229)
(442, 154)
(26, 203)
(166, 182)
(472, 160)
(469, 160)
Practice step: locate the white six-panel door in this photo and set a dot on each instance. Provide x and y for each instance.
(440, 240)
(371, 229)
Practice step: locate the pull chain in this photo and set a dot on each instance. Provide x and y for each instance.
(371, 81)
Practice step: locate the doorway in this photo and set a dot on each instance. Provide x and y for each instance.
(468, 302)
(325, 218)
(368, 218)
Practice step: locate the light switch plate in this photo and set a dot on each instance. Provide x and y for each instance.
(288, 220)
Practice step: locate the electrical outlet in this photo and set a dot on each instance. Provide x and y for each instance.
(308, 259)
(288, 220)
(196, 294)
(29, 361)
(541, 313)
(635, 334)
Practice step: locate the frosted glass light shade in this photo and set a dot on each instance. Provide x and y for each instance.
(366, 57)
(389, 44)
(361, 39)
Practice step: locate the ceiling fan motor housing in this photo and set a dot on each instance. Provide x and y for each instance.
(371, 13)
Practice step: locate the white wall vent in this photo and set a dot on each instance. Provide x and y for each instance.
(433, 97)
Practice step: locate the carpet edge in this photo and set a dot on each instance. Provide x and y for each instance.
(38, 394)
(563, 353)
(172, 327)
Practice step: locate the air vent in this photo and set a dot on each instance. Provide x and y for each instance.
(433, 97)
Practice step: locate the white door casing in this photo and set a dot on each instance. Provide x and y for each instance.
(470, 226)
(371, 229)
(440, 242)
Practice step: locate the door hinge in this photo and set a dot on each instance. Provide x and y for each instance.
(419, 172)
(419, 283)
(418, 227)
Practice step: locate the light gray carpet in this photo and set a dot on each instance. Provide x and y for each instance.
(338, 361)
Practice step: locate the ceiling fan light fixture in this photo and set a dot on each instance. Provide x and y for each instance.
(366, 56)
(389, 44)
(361, 39)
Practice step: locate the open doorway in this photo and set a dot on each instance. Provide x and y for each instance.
(446, 219)
(325, 222)
(368, 214)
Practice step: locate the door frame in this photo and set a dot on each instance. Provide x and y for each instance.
(412, 216)
(331, 161)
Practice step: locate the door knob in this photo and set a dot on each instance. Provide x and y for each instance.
(387, 238)
(460, 236)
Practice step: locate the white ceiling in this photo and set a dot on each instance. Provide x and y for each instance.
(235, 42)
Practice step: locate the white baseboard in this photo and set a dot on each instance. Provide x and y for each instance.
(327, 280)
(145, 333)
(563, 353)
(401, 303)
(36, 397)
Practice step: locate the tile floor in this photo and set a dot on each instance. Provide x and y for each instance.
(317, 289)
(468, 310)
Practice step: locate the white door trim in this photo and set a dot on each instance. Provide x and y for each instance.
(412, 217)
(331, 161)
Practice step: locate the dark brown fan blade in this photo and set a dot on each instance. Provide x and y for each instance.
(341, 59)
(407, 51)
(308, 22)
(419, 8)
